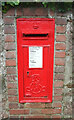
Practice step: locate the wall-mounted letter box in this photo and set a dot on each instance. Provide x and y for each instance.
(35, 48)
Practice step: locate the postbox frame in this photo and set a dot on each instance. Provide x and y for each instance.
(20, 53)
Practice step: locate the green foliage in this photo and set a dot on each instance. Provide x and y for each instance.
(7, 5)
(59, 6)
(63, 6)
(13, 3)
(45, 4)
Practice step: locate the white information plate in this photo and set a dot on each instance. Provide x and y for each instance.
(35, 57)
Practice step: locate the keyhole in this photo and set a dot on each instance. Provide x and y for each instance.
(27, 73)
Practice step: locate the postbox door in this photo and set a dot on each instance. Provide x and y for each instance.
(36, 71)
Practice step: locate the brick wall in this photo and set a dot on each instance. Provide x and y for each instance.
(61, 106)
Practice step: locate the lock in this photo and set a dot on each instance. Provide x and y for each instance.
(27, 73)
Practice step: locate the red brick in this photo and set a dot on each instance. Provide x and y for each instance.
(56, 111)
(60, 54)
(19, 11)
(9, 29)
(35, 111)
(12, 92)
(35, 11)
(60, 29)
(58, 83)
(12, 99)
(58, 98)
(12, 85)
(60, 61)
(59, 76)
(48, 105)
(9, 38)
(13, 106)
(10, 54)
(14, 116)
(60, 69)
(56, 116)
(19, 112)
(21, 117)
(51, 111)
(61, 21)
(22, 105)
(10, 62)
(52, 13)
(11, 78)
(35, 105)
(8, 20)
(11, 70)
(10, 46)
(61, 14)
(60, 46)
(46, 111)
(58, 91)
(41, 11)
(57, 104)
(29, 11)
(10, 12)
(60, 38)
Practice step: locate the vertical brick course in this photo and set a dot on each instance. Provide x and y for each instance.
(58, 84)
(10, 46)
(60, 69)
(60, 61)
(60, 38)
(10, 54)
(60, 54)
(9, 29)
(10, 12)
(60, 29)
(13, 106)
(61, 21)
(58, 98)
(10, 62)
(11, 70)
(12, 92)
(60, 46)
(12, 85)
(9, 38)
(13, 99)
(9, 21)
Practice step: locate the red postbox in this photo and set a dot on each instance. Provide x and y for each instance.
(35, 48)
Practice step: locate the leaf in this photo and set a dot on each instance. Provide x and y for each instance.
(16, 3)
(13, 3)
(10, 3)
(3, 3)
(45, 4)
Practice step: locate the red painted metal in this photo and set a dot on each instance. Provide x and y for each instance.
(35, 84)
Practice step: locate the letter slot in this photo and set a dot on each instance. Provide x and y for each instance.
(35, 36)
